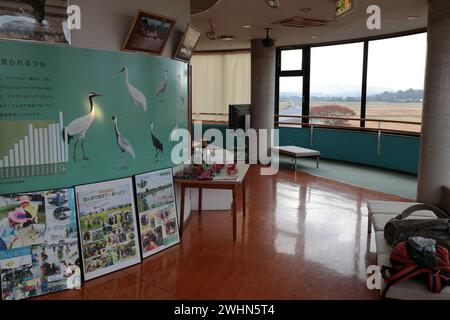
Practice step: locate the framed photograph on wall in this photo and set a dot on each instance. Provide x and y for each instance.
(38, 243)
(157, 211)
(187, 44)
(34, 20)
(107, 226)
(149, 33)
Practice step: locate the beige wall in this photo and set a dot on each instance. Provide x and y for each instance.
(105, 23)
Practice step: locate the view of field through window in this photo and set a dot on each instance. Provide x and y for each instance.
(396, 71)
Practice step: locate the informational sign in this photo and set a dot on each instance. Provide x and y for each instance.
(343, 7)
(71, 116)
(157, 211)
(108, 229)
(38, 242)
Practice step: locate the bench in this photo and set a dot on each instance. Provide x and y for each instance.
(297, 152)
(380, 212)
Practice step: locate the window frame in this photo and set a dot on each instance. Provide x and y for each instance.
(306, 74)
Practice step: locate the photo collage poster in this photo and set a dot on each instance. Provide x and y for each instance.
(38, 242)
(108, 228)
(157, 211)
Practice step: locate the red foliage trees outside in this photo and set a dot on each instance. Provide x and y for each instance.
(331, 110)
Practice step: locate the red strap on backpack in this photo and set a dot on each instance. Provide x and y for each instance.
(404, 268)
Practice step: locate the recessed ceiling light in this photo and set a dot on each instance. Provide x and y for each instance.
(413, 17)
(247, 26)
(305, 10)
(314, 37)
(227, 38)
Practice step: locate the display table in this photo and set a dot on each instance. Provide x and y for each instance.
(221, 181)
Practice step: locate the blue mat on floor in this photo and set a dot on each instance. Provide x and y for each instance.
(382, 180)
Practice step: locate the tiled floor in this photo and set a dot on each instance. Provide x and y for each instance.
(304, 237)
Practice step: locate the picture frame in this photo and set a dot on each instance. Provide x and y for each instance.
(188, 43)
(107, 227)
(42, 256)
(149, 33)
(36, 21)
(157, 211)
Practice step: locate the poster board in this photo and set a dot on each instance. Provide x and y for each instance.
(107, 227)
(39, 240)
(157, 211)
(47, 92)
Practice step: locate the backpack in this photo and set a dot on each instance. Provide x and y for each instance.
(399, 229)
(418, 258)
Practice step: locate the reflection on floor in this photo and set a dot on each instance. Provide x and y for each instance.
(387, 181)
(304, 237)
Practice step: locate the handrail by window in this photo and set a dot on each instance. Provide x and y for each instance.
(349, 119)
(346, 127)
(379, 129)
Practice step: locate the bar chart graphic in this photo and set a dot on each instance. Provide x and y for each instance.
(42, 151)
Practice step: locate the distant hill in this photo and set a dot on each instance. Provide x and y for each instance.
(410, 95)
(400, 96)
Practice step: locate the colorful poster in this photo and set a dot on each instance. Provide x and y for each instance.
(108, 228)
(157, 210)
(38, 242)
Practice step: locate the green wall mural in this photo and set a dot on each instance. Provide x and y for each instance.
(72, 116)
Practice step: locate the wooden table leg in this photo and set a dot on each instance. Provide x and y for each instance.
(200, 200)
(234, 212)
(243, 197)
(182, 210)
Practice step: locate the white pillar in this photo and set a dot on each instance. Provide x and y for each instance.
(263, 85)
(434, 170)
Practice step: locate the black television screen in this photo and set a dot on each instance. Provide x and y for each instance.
(239, 116)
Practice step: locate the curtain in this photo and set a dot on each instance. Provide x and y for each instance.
(219, 80)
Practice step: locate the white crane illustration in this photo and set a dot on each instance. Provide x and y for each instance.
(124, 145)
(163, 85)
(174, 130)
(80, 126)
(138, 97)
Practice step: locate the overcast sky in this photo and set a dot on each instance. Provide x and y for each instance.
(394, 64)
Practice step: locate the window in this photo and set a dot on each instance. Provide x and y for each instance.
(336, 82)
(379, 83)
(290, 86)
(396, 75)
(291, 98)
(219, 80)
(291, 60)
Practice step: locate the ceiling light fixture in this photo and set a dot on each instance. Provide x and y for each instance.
(227, 38)
(247, 26)
(274, 4)
(413, 17)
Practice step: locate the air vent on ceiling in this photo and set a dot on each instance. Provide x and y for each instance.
(299, 22)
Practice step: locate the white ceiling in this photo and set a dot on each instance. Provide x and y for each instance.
(230, 15)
